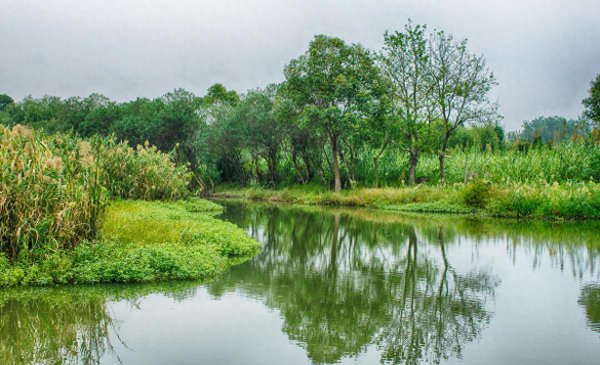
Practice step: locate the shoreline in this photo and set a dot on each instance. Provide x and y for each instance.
(549, 202)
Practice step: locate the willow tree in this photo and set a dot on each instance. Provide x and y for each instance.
(461, 84)
(333, 83)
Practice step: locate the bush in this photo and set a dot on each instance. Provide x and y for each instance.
(477, 193)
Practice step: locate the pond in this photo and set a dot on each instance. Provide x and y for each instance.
(339, 286)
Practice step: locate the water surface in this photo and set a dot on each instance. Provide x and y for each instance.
(339, 286)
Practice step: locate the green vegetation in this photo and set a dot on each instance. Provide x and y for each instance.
(417, 110)
(53, 188)
(509, 200)
(141, 241)
(53, 195)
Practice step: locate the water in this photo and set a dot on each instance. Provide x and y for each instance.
(340, 286)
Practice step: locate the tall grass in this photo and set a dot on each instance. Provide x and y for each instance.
(53, 188)
(50, 191)
(568, 162)
(141, 173)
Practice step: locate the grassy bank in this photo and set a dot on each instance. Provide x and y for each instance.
(141, 241)
(509, 200)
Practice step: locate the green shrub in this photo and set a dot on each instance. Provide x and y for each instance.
(477, 193)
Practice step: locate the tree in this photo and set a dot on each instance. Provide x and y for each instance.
(592, 102)
(405, 63)
(461, 83)
(262, 134)
(5, 101)
(332, 82)
(218, 93)
(552, 129)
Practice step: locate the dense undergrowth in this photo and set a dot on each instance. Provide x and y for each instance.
(55, 197)
(141, 241)
(510, 199)
(53, 188)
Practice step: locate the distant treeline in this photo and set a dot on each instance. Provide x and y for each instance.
(344, 116)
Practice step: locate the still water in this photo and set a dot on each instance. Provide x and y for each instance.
(339, 286)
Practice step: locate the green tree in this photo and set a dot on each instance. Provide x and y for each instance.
(5, 101)
(592, 102)
(333, 83)
(461, 84)
(405, 63)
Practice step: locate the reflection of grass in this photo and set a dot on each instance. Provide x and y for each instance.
(537, 232)
(590, 300)
(68, 324)
(141, 242)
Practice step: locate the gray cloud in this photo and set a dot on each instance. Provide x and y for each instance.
(544, 53)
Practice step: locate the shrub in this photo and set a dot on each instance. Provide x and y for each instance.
(477, 193)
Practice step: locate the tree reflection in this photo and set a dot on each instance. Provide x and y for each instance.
(590, 300)
(68, 325)
(343, 284)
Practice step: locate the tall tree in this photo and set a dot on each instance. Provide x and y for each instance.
(5, 101)
(333, 82)
(405, 63)
(461, 85)
(592, 102)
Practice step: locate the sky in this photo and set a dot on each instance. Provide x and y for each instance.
(544, 53)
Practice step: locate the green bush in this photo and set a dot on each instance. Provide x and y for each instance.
(477, 193)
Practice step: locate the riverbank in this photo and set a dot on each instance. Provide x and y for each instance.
(141, 241)
(510, 200)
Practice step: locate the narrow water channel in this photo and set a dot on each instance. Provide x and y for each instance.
(339, 286)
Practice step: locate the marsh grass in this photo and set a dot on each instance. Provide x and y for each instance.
(142, 241)
(510, 199)
(50, 192)
(53, 188)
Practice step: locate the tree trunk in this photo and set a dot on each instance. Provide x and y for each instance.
(466, 176)
(414, 159)
(443, 160)
(376, 172)
(348, 173)
(336, 167)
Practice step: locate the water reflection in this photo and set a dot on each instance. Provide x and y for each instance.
(68, 325)
(343, 283)
(590, 300)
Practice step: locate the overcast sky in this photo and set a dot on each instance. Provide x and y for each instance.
(544, 52)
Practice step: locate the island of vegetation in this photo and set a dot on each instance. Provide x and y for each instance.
(98, 211)
(93, 190)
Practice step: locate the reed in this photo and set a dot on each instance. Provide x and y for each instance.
(53, 188)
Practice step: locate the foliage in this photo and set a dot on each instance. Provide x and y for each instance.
(553, 129)
(53, 188)
(592, 102)
(140, 242)
(51, 191)
(477, 193)
(141, 173)
(511, 200)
